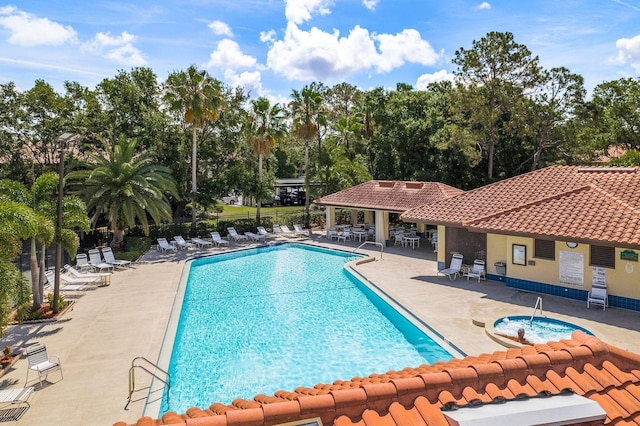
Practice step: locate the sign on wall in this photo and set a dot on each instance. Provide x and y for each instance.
(571, 268)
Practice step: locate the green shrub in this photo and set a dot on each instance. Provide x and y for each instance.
(134, 248)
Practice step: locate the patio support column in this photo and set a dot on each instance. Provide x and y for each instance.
(382, 226)
(354, 217)
(368, 217)
(329, 219)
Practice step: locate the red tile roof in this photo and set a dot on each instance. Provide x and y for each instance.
(415, 396)
(590, 204)
(395, 196)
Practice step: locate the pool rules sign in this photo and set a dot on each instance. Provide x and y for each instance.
(572, 268)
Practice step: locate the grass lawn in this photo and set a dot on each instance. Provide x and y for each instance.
(235, 211)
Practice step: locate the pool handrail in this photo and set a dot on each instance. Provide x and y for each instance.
(371, 242)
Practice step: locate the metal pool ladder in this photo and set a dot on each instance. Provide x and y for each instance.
(538, 303)
(132, 379)
(371, 242)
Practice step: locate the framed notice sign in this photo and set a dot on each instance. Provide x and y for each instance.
(519, 254)
(571, 268)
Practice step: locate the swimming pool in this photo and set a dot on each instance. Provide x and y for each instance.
(260, 320)
(540, 330)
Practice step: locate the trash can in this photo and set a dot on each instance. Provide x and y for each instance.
(501, 268)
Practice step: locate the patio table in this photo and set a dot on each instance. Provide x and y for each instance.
(411, 240)
(360, 234)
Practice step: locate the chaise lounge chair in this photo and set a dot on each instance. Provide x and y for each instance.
(95, 259)
(181, 243)
(164, 245)
(264, 233)
(200, 243)
(105, 276)
(66, 285)
(286, 231)
(454, 268)
(14, 403)
(41, 362)
(111, 259)
(233, 234)
(298, 231)
(218, 240)
(82, 262)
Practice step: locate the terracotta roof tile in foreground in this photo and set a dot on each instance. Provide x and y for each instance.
(396, 196)
(583, 204)
(415, 396)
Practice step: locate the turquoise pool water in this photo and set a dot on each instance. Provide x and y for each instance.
(540, 330)
(279, 317)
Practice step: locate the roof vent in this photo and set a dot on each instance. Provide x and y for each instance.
(606, 169)
(562, 409)
(414, 185)
(386, 184)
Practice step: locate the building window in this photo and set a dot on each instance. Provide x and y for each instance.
(603, 256)
(545, 249)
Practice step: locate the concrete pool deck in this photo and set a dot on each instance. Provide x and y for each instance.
(109, 326)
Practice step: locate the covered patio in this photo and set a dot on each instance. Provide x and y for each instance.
(373, 203)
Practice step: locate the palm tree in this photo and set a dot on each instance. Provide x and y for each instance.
(307, 114)
(126, 187)
(265, 128)
(197, 97)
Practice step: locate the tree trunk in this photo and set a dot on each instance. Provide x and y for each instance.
(43, 277)
(194, 186)
(306, 184)
(35, 276)
(258, 200)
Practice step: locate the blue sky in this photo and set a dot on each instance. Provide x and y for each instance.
(273, 46)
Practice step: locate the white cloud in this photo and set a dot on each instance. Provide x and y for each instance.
(29, 30)
(299, 11)
(425, 79)
(318, 55)
(220, 28)
(249, 80)
(483, 5)
(267, 36)
(629, 51)
(370, 4)
(229, 55)
(118, 49)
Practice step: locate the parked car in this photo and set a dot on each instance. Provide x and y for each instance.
(231, 200)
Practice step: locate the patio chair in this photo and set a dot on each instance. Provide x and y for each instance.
(200, 243)
(286, 231)
(14, 403)
(298, 231)
(477, 271)
(598, 296)
(163, 245)
(181, 243)
(64, 284)
(277, 230)
(264, 232)
(111, 259)
(454, 268)
(398, 238)
(82, 262)
(254, 237)
(95, 259)
(332, 234)
(40, 362)
(105, 277)
(218, 240)
(346, 235)
(233, 234)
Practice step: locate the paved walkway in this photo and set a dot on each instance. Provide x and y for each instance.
(109, 326)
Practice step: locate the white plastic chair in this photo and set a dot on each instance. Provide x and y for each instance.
(40, 362)
(454, 268)
(477, 271)
(82, 262)
(199, 242)
(95, 259)
(218, 240)
(233, 234)
(111, 259)
(164, 245)
(181, 242)
(598, 296)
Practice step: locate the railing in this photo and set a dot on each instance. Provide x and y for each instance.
(374, 243)
(538, 303)
(132, 379)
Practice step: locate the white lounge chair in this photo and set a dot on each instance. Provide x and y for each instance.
(41, 362)
(286, 231)
(598, 296)
(200, 243)
(181, 243)
(111, 259)
(64, 284)
(477, 271)
(264, 232)
(164, 245)
(332, 234)
(233, 234)
(82, 262)
(105, 276)
(95, 259)
(254, 237)
(218, 240)
(298, 231)
(14, 403)
(454, 268)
